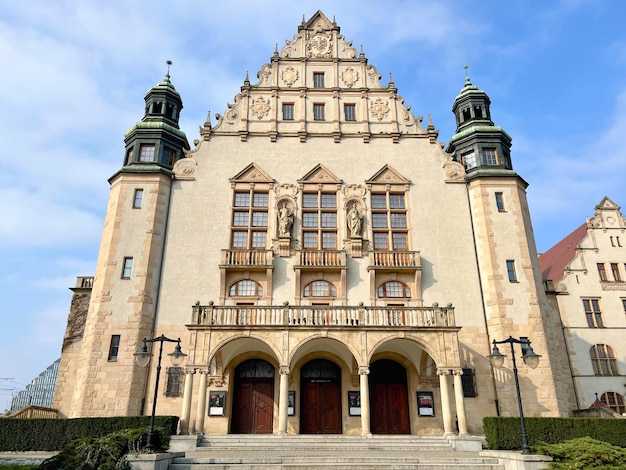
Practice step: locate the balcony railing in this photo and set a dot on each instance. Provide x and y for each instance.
(323, 316)
(322, 258)
(84, 282)
(395, 259)
(247, 258)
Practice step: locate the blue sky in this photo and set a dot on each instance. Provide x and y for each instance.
(74, 75)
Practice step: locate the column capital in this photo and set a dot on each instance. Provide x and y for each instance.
(456, 371)
(284, 370)
(442, 371)
(364, 370)
(190, 371)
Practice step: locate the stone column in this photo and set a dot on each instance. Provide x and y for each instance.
(445, 402)
(365, 400)
(201, 412)
(459, 402)
(283, 400)
(186, 412)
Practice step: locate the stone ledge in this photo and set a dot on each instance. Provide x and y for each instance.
(517, 461)
(152, 461)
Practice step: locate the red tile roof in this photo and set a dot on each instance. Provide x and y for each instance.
(554, 261)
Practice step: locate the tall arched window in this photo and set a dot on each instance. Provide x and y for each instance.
(246, 288)
(603, 360)
(394, 289)
(320, 289)
(614, 401)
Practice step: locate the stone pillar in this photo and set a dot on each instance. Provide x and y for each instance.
(365, 400)
(201, 412)
(459, 402)
(283, 400)
(445, 402)
(186, 412)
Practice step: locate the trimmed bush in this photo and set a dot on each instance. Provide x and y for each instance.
(583, 452)
(21, 435)
(505, 433)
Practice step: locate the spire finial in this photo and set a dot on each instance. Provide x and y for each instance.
(303, 20)
(247, 79)
(391, 83)
(276, 50)
(169, 63)
(362, 54)
(467, 79)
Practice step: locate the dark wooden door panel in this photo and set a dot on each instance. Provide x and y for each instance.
(310, 409)
(331, 408)
(398, 409)
(264, 407)
(378, 415)
(243, 409)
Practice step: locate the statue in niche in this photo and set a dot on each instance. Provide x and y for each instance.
(355, 222)
(285, 221)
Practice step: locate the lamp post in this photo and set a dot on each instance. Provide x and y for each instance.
(531, 360)
(142, 358)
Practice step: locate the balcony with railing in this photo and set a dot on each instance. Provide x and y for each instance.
(395, 260)
(84, 282)
(246, 258)
(300, 316)
(322, 258)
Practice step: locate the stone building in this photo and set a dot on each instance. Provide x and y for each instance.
(328, 266)
(585, 275)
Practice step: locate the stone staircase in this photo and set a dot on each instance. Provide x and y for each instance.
(329, 452)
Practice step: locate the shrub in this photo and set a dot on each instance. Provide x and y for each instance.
(103, 453)
(504, 433)
(20, 435)
(583, 453)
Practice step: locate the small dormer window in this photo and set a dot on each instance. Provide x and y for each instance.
(156, 108)
(469, 160)
(467, 115)
(490, 156)
(478, 112)
(146, 153)
(168, 156)
(169, 110)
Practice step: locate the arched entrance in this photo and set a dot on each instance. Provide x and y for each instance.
(389, 407)
(253, 406)
(320, 409)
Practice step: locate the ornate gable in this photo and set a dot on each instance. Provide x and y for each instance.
(388, 175)
(319, 85)
(608, 215)
(251, 174)
(320, 174)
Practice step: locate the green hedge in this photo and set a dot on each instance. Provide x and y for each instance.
(22, 435)
(505, 433)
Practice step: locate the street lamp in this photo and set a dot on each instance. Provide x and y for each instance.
(142, 358)
(531, 360)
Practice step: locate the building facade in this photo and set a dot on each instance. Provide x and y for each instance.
(585, 275)
(328, 266)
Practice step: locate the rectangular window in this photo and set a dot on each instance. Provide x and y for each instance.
(329, 240)
(389, 212)
(146, 153)
(309, 219)
(127, 268)
(348, 110)
(490, 156)
(288, 111)
(319, 214)
(468, 382)
(602, 272)
(593, 313)
(329, 201)
(318, 79)
(168, 156)
(318, 112)
(469, 160)
(329, 219)
(129, 156)
(137, 199)
(309, 200)
(616, 274)
(510, 269)
(175, 381)
(309, 241)
(250, 217)
(114, 347)
(500, 202)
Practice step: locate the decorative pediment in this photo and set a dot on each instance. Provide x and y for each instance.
(320, 22)
(608, 215)
(606, 203)
(387, 175)
(251, 174)
(320, 174)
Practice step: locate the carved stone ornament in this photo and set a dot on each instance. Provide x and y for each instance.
(353, 191)
(318, 45)
(379, 109)
(286, 189)
(185, 168)
(289, 76)
(349, 76)
(260, 107)
(454, 170)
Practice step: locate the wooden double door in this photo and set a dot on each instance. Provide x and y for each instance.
(320, 409)
(253, 408)
(389, 408)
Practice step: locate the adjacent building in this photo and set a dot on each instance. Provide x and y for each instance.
(328, 266)
(585, 275)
